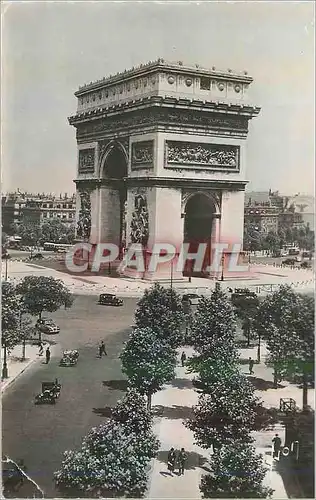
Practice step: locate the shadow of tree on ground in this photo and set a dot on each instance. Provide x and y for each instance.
(263, 385)
(116, 385)
(172, 412)
(194, 459)
(182, 383)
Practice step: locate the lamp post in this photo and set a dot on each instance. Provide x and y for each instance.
(4, 366)
(171, 275)
(6, 257)
(258, 350)
(222, 262)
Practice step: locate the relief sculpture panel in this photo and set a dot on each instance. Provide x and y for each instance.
(142, 154)
(86, 160)
(139, 223)
(84, 219)
(210, 156)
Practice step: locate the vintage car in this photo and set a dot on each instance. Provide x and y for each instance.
(47, 325)
(69, 358)
(191, 298)
(109, 299)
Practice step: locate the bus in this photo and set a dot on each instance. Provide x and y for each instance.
(56, 247)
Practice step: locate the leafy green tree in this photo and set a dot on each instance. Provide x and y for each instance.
(246, 307)
(43, 293)
(272, 242)
(160, 309)
(147, 361)
(133, 413)
(228, 411)
(113, 461)
(10, 316)
(54, 230)
(236, 472)
(30, 232)
(286, 320)
(214, 322)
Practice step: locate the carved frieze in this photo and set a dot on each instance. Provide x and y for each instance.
(86, 160)
(211, 156)
(84, 219)
(142, 154)
(165, 117)
(139, 222)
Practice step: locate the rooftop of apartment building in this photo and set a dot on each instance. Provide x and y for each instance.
(22, 197)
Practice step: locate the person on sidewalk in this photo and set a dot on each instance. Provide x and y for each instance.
(171, 460)
(47, 355)
(182, 458)
(102, 350)
(276, 446)
(41, 349)
(183, 358)
(251, 363)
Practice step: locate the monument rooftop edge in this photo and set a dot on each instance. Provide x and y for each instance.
(165, 79)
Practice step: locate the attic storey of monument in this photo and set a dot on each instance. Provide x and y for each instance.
(151, 138)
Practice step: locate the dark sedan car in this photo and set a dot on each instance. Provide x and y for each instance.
(47, 325)
(109, 299)
(191, 298)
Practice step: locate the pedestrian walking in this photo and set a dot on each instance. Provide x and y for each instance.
(47, 355)
(276, 446)
(251, 363)
(171, 460)
(182, 458)
(41, 349)
(183, 358)
(102, 350)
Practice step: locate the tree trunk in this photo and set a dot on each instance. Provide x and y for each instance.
(149, 396)
(305, 387)
(258, 350)
(275, 378)
(248, 336)
(39, 331)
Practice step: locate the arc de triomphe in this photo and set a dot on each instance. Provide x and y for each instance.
(161, 156)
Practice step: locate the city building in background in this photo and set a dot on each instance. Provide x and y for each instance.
(268, 211)
(18, 207)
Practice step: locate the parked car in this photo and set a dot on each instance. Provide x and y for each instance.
(36, 256)
(47, 325)
(109, 299)
(242, 292)
(290, 262)
(306, 265)
(192, 298)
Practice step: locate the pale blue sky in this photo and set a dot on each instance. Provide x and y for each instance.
(49, 49)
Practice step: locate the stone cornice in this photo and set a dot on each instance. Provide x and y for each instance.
(162, 65)
(236, 185)
(233, 185)
(166, 102)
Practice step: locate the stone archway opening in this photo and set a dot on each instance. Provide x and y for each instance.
(114, 174)
(198, 228)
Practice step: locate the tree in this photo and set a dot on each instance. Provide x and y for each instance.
(236, 472)
(246, 307)
(54, 230)
(10, 322)
(133, 413)
(29, 231)
(112, 462)
(286, 320)
(160, 309)
(114, 458)
(214, 322)
(147, 361)
(227, 412)
(43, 293)
(10, 316)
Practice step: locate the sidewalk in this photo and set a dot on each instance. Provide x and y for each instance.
(15, 364)
(173, 405)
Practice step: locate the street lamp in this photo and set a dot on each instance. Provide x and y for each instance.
(4, 366)
(5, 258)
(222, 262)
(171, 275)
